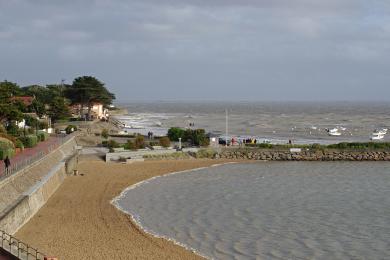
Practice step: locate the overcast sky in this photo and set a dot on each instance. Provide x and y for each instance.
(202, 49)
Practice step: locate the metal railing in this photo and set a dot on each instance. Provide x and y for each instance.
(19, 249)
(31, 155)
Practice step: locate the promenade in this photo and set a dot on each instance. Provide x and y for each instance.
(31, 155)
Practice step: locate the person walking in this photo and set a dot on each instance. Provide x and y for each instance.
(7, 164)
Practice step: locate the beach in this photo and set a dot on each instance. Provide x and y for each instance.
(79, 221)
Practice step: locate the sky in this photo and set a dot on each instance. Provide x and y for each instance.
(177, 50)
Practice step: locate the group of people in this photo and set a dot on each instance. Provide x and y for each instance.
(240, 142)
(150, 135)
(250, 141)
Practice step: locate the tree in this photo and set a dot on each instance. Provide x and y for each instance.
(58, 108)
(58, 90)
(41, 94)
(174, 133)
(9, 111)
(8, 90)
(87, 90)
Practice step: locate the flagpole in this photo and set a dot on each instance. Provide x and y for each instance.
(226, 141)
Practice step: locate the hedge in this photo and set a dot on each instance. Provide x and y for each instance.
(29, 140)
(6, 149)
(19, 144)
(42, 136)
(70, 128)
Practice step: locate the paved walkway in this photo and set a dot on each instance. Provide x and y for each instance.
(30, 155)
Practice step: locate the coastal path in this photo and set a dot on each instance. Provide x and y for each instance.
(31, 155)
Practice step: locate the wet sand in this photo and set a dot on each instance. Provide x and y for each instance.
(79, 222)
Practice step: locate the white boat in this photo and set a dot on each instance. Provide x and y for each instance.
(133, 126)
(382, 131)
(377, 136)
(333, 132)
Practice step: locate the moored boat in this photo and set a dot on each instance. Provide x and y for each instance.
(333, 132)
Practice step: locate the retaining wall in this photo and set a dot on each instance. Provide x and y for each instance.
(24, 193)
(136, 154)
(20, 212)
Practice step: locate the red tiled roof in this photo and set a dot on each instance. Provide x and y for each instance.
(25, 100)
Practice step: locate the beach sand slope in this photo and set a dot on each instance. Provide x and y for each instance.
(79, 222)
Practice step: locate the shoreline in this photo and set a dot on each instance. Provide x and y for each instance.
(72, 223)
(135, 219)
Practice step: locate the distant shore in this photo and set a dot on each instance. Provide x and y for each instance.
(79, 222)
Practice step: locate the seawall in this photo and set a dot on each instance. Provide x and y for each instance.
(303, 155)
(24, 193)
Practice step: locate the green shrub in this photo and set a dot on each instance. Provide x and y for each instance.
(4, 152)
(130, 145)
(13, 129)
(70, 129)
(154, 143)
(42, 136)
(370, 145)
(29, 140)
(139, 142)
(43, 125)
(31, 121)
(199, 137)
(8, 137)
(206, 153)
(195, 137)
(2, 129)
(174, 133)
(104, 133)
(165, 142)
(19, 144)
(6, 149)
(111, 144)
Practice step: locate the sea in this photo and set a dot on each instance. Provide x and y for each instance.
(275, 122)
(270, 210)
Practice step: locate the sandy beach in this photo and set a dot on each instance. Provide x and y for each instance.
(79, 222)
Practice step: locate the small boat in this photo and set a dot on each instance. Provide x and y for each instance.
(377, 136)
(333, 132)
(133, 126)
(383, 131)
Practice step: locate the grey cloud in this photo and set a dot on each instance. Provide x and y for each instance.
(300, 48)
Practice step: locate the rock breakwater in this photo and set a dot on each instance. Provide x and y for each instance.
(304, 155)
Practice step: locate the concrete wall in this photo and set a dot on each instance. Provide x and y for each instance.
(14, 186)
(24, 193)
(18, 213)
(136, 154)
